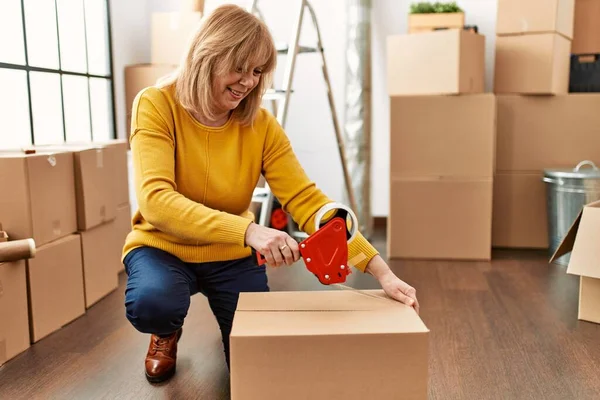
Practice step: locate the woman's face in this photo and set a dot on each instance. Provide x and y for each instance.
(232, 88)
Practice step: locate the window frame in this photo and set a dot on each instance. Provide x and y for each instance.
(60, 72)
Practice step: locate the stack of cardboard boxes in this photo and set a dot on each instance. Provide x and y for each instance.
(73, 200)
(169, 39)
(540, 125)
(442, 144)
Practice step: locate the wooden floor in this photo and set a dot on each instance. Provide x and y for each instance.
(500, 330)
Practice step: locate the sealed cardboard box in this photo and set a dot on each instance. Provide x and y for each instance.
(14, 314)
(171, 34)
(122, 228)
(55, 286)
(418, 23)
(520, 218)
(442, 135)
(327, 345)
(38, 195)
(101, 248)
(440, 218)
(440, 62)
(532, 64)
(581, 242)
(586, 36)
(535, 16)
(138, 77)
(119, 148)
(538, 132)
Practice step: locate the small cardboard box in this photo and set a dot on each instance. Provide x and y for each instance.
(55, 286)
(138, 77)
(442, 135)
(520, 217)
(418, 23)
(327, 345)
(440, 62)
(38, 195)
(440, 218)
(538, 132)
(14, 312)
(119, 148)
(532, 64)
(582, 242)
(171, 34)
(535, 16)
(586, 36)
(101, 250)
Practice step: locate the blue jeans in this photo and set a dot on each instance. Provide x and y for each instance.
(159, 287)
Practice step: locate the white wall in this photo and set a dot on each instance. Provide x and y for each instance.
(309, 123)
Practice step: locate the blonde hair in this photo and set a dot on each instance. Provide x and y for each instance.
(229, 39)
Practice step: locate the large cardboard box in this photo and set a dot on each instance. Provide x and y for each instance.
(119, 148)
(138, 77)
(327, 345)
(538, 132)
(37, 195)
(532, 64)
(520, 218)
(122, 229)
(442, 135)
(441, 218)
(440, 62)
(535, 16)
(171, 35)
(586, 36)
(582, 242)
(14, 314)
(56, 295)
(101, 248)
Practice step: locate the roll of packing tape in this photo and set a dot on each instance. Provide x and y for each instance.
(343, 212)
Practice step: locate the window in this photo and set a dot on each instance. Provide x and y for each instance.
(55, 72)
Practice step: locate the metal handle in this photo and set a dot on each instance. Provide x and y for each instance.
(586, 162)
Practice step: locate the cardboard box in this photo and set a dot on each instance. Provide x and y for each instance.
(55, 286)
(171, 35)
(327, 345)
(586, 36)
(439, 62)
(535, 16)
(532, 64)
(101, 248)
(122, 228)
(582, 243)
(442, 135)
(138, 77)
(119, 148)
(38, 195)
(441, 218)
(14, 314)
(418, 23)
(520, 218)
(538, 132)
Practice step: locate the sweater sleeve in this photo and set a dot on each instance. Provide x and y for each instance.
(153, 152)
(298, 194)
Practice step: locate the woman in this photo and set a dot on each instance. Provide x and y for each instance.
(200, 141)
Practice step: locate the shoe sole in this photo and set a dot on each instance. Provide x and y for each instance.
(168, 375)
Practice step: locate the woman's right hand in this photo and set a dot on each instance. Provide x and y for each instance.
(276, 246)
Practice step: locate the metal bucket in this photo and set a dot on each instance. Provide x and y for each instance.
(567, 191)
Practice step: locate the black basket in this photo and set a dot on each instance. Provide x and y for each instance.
(585, 73)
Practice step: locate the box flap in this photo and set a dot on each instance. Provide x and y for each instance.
(566, 245)
(323, 313)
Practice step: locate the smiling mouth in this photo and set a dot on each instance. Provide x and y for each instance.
(235, 92)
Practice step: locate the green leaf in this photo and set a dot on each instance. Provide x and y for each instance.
(425, 7)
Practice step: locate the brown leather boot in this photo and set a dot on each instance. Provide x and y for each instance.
(162, 357)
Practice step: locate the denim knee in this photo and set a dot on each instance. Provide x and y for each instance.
(154, 310)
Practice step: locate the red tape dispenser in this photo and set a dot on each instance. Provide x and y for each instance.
(325, 252)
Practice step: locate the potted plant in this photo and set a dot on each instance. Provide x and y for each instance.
(426, 16)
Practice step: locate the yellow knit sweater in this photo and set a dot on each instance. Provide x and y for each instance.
(194, 183)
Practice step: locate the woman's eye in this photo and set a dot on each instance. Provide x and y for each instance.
(257, 71)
